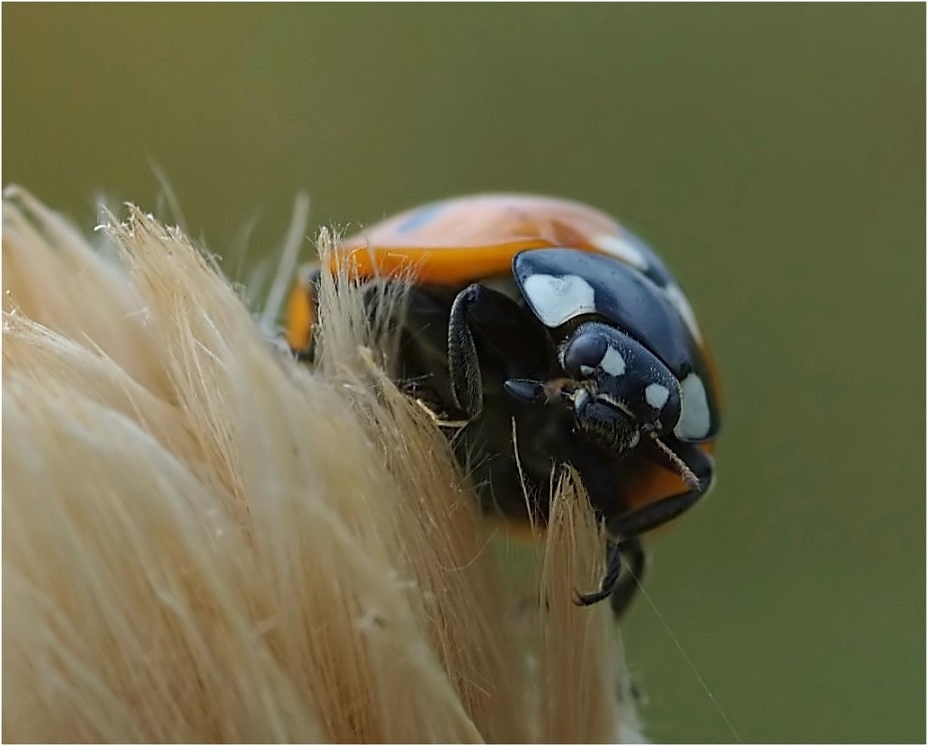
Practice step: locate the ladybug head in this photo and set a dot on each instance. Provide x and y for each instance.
(622, 388)
(616, 387)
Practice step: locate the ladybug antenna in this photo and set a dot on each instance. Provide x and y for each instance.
(691, 479)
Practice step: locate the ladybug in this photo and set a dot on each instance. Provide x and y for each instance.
(560, 338)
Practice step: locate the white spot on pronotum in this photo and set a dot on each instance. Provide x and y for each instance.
(656, 395)
(621, 249)
(558, 299)
(678, 300)
(613, 363)
(695, 418)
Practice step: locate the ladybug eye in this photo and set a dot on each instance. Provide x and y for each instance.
(583, 354)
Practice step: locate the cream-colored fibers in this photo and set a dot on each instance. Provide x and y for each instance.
(205, 541)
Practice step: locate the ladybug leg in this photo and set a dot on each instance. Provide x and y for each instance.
(635, 557)
(627, 527)
(463, 365)
(494, 323)
(420, 364)
(616, 585)
(610, 579)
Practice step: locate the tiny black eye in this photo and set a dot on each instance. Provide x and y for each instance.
(583, 354)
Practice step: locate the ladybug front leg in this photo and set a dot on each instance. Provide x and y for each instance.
(494, 324)
(626, 528)
(463, 365)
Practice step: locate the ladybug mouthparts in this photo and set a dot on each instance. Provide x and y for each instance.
(602, 419)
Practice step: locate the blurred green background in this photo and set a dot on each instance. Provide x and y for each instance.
(775, 155)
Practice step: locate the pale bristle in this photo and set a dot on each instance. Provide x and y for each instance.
(204, 541)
